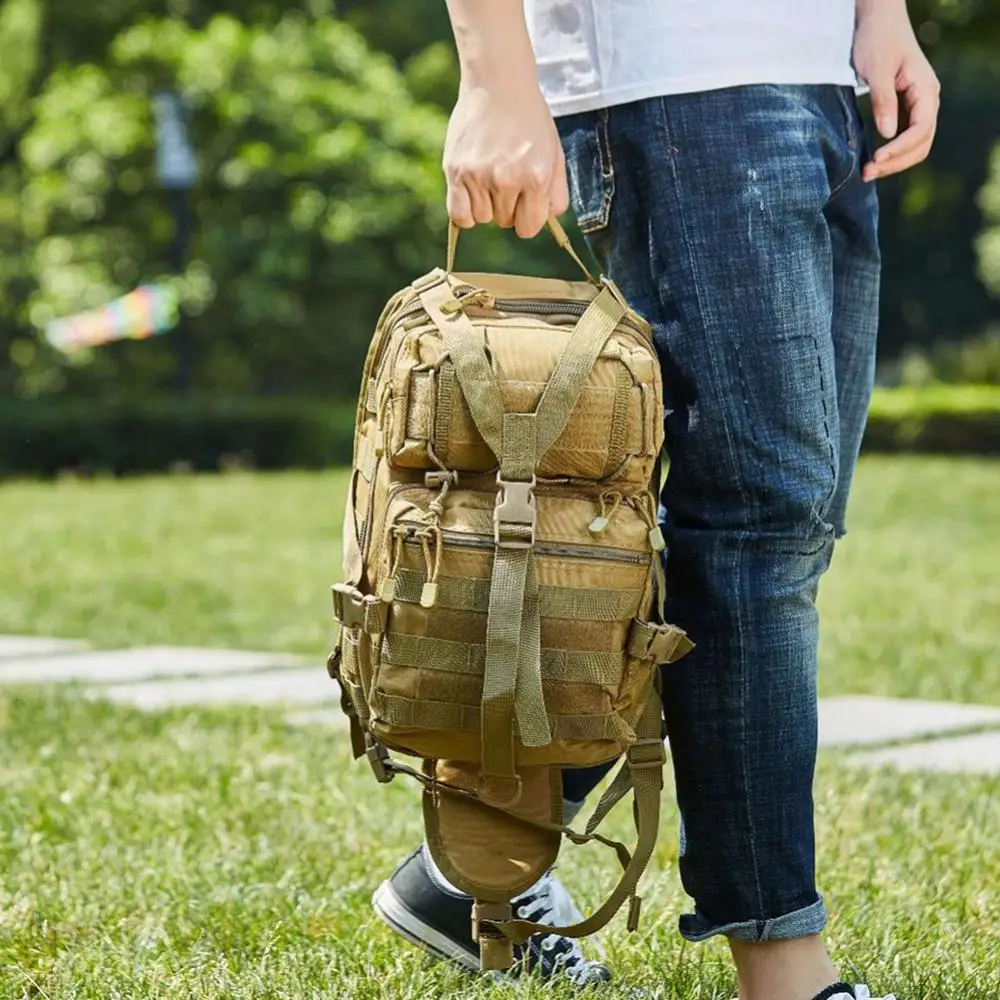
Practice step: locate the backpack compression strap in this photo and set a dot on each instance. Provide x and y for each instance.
(519, 440)
(643, 771)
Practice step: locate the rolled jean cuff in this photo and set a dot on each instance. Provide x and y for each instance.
(799, 923)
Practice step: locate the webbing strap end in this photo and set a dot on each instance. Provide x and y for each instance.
(634, 909)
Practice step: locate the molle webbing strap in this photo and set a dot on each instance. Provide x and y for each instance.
(645, 761)
(571, 666)
(421, 713)
(472, 594)
(513, 637)
(573, 368)
(512, 684)
(466, 346)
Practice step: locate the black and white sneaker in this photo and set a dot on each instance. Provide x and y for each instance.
(436, 918)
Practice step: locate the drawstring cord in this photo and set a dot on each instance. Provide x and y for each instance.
(601, 522)
(432, 563)
(435, 511)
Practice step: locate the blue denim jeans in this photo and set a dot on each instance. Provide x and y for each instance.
(737, 223)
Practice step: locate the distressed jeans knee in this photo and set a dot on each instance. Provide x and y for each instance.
(736, 222)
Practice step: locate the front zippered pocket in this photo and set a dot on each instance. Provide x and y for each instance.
(530, 307)
(450, 538)
(459, 539)
(431, 425)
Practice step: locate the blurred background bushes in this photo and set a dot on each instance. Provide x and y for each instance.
(318, 130)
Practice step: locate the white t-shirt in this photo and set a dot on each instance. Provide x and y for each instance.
(598, 53)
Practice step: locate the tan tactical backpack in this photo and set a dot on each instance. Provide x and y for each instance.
(502, 556)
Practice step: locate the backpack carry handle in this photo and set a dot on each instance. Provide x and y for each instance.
(555, 228)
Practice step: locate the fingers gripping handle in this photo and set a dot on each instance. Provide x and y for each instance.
(554, 227)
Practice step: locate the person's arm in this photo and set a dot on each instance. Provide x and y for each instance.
(502, 154)
(888, 57)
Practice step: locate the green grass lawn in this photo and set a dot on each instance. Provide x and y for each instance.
(228, 855)
(911, 606)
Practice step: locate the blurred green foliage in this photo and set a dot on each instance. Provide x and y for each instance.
(48, 437)
(318, 128)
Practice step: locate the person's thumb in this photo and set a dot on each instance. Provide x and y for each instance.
(885, 103)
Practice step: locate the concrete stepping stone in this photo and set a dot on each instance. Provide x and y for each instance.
(123, 665)
(275, 687)
(844, 722)
(17, 647)
(332, 718)
(866, 721)
(978, 753)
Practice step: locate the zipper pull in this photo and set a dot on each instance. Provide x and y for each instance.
(656, 539)
(429, 591)
(428, 595)
(645, 507)
(600, 523)
(387, 591)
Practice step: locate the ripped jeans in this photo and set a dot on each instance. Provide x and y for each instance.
(736, 221)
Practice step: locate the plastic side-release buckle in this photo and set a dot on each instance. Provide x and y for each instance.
(659, 643)
(380, 760)
(647, 753)
(496, 951)
(356, 610)
(515, 516)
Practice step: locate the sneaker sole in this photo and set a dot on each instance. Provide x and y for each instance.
(395, 913)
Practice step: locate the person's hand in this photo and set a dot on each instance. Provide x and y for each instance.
(888, 57)
(503, 159)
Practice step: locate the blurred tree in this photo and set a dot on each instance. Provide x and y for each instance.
(957, 25)
(321, 190)
(20, 31)
(929, 217)
(988, 244)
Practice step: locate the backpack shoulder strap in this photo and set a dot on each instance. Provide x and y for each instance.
(644, 762)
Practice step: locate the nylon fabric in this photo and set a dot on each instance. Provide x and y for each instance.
(559, 398)
(472, 594)
(647, 784)
(560, 665)
(472, 367)
(512, 674)
(520, 447)
(396, 710)
(502, 567)
(620, 423)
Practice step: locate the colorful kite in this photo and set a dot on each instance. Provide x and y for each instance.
(146, 312)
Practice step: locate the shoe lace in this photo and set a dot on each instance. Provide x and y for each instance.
(548, 901)
(862, 992)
